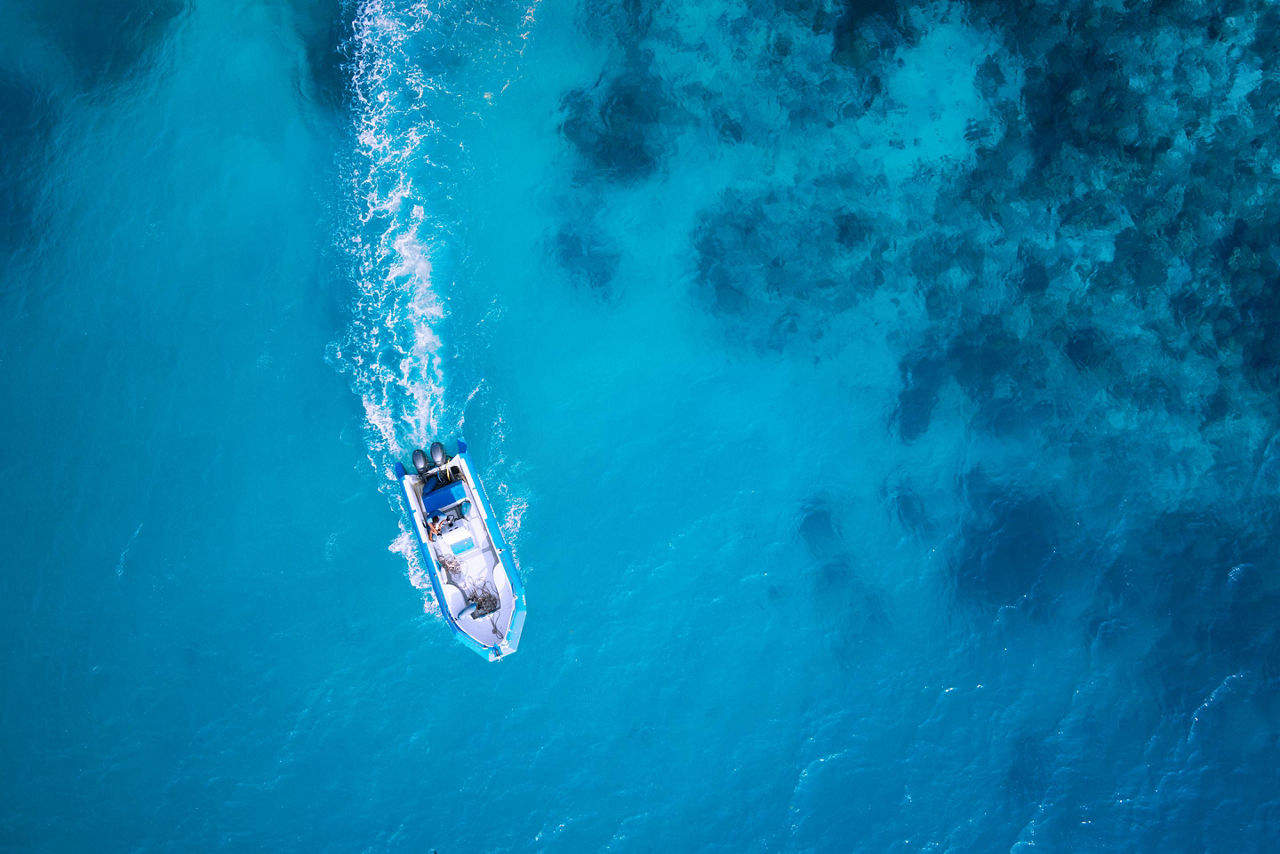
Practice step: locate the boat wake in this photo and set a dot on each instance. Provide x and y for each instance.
(391, 349)
(409, 102)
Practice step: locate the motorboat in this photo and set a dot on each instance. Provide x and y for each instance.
(472, 571)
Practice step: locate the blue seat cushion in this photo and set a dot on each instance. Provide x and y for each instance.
(443, 496)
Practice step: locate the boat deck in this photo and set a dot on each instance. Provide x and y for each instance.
(478, 596)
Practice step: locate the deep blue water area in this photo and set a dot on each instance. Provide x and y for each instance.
(882, 401)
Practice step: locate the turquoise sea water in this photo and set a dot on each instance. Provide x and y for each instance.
(882, 400)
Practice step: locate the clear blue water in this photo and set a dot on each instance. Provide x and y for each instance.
(883, 400)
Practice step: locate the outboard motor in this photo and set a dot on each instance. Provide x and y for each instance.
(438, 456)
(438, 459)
(420, 461)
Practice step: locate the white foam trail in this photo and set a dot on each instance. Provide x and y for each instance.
(516, 507)
(124, 555)
(1214, 697)
(516, 501)
(392, 349)
(406, 545)
(404, 143)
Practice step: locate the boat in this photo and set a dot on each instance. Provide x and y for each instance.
(472, 571)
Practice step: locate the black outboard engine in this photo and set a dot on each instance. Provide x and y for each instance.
(420, 462)
(438, 456)
(438, 459)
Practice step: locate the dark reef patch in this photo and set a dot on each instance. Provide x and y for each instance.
(1080, 98)
(24, 132)
(1034, 279)
(625, 22)
(621, 124)
(909, 509)
(105, 40)
(774, 267)
(852, 230)
(103, 44)
(1266, 40)
(1030, 768)
(617, 127)
(1262, 338)
(1004, 375)
(832, 576)
(839, 595)
(1216, 407)
(1088, 350)
(923, 373)
(728, 128)
(934, 255)
(589, 262)
(863, 31)
(1008, 543)
(820, 533)
(324, 28)
(982, 352)
(1023, 23)
(1212, 584)
(1096, 273)
(1141, 260)
(841, 598)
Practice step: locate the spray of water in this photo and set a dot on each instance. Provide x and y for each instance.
(405, 127)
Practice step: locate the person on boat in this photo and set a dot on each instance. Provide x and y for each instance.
(433, 528)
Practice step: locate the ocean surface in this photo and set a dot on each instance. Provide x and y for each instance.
(882, 401)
